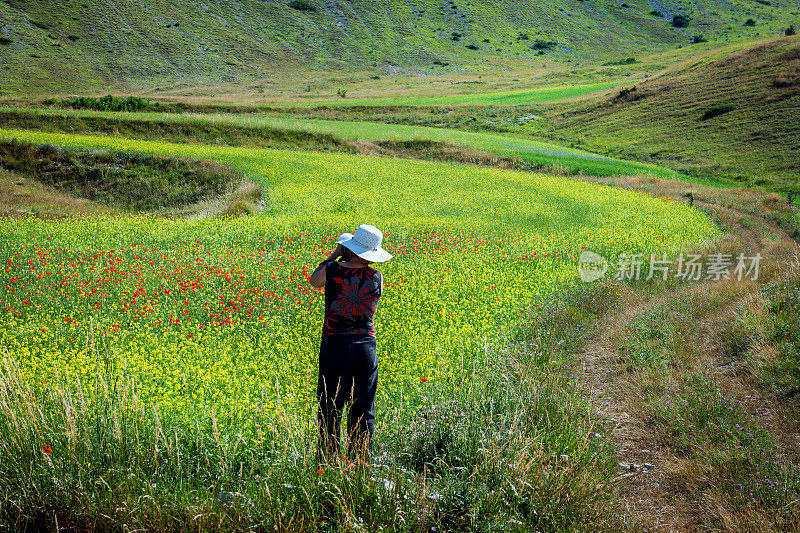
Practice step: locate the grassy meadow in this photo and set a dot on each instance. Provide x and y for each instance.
(159, 339)
(205, 329)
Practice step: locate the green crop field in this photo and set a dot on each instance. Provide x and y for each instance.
(518, 97)
(531, 151)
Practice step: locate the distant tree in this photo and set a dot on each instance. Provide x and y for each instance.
(455, 36)
(542, 45)
(680, 21)
(342, 93)
(790, 31)
(5, 40)
(301, 5)
(626, 61)
(749, 22)
(699, 39)
(717, 110)
(472, 46)
(656, 13)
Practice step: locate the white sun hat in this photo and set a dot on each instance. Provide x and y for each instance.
(366, 243)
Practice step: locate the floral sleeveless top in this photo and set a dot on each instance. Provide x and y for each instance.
(351, 297)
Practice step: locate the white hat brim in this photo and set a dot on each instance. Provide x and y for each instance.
(376, 256)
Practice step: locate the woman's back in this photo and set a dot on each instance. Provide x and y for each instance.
(351, 297)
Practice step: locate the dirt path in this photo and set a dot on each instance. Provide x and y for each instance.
(651, 483)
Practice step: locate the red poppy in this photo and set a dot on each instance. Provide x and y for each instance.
(47, 450)
(424, 380)
(320, 471)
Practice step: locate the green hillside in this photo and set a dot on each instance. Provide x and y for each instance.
(730, 113)
(78, 45)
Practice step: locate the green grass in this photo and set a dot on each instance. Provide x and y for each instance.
(705, 425)
(766, 334)
(536, 153)
(518, 97)
(178, 42)
(138, 183)
(729, 113)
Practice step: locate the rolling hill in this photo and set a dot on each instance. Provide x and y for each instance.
(731, 112)
(75, 45)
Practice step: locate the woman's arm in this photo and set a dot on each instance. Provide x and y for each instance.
(317, 278)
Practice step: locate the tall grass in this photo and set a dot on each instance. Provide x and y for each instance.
(505, 445)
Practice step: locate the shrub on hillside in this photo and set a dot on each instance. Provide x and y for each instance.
(656, 13)
(717, 110)
(542, 45)
(472, 46)
(625, 91)
(680, 21)
(626, 61)
(301, 5)
(699, 39)
(5, 40)
(790, 31)
(111, 103)
(749, 22)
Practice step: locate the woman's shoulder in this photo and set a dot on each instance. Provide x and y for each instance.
(361, 272)
(367, 272)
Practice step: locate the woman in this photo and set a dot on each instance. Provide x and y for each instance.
(348, 365)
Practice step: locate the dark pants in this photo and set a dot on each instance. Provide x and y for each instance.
(348, 376)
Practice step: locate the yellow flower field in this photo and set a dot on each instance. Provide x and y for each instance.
(217, 314)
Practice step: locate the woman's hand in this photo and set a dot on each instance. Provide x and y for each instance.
(317, 278)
